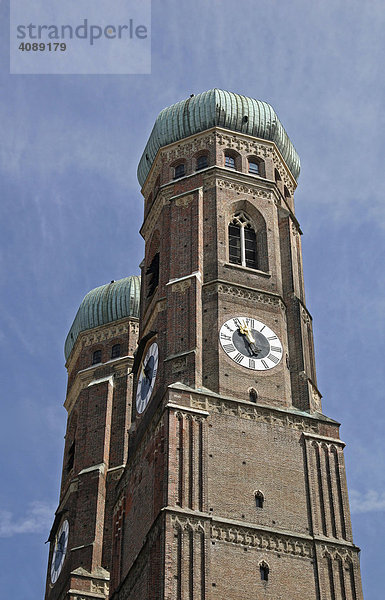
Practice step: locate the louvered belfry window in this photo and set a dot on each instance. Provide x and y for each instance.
(242, 242)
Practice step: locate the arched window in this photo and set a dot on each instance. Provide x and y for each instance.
(153, 275)
(253, 395)
(179, 171)
(286, 192)
(277, 176)
(202, 162)
(259, 499)
(115, 351)
(256, 166)
(242, 242)
(253, 167)
(229, 161)
(97, 357)
(264, 571)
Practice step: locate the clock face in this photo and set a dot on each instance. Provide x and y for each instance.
(60, 550)
(250, 343)
(147, 376)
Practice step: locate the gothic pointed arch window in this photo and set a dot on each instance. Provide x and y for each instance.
(247, 242)
(259, 499)
(264, 570)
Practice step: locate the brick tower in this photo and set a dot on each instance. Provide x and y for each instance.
(99, 352)
(234, 483)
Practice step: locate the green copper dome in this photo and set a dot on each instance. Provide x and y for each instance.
(221, 109)
(105, 304)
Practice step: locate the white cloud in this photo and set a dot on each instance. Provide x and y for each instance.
(370, 501)
(38, 519)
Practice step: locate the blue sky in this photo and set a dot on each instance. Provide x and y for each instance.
(71, 210)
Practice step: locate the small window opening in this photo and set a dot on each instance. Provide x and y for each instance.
(277, 175)
(153, 275)
(253, 167)
(179, 171)
(264, 570)
(202, 162)
(229, 161)
(253, 395)
(115, 351)
(286, 192)
(97, 357)
(71, 457)
(259, 499)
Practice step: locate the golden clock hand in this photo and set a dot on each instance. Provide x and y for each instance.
(247, 333)
(245, 330)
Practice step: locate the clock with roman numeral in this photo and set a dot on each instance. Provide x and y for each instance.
(147, 376)
(250, 343)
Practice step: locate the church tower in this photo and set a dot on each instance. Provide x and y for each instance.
(99, 353)
(230, 482)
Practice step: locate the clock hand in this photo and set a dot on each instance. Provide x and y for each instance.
(147, 371)
(244, 329)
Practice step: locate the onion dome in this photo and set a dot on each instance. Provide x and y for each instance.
(105, 304)
(217, 108)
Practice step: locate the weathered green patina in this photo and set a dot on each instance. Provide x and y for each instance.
(217, 108)
(105, 304)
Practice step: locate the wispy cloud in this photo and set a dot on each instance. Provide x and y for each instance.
(38, 519)
(370, 501)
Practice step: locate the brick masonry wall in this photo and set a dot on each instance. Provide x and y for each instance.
(99, 405)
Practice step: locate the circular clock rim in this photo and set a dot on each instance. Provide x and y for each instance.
(149, 345)
(259, 365)
(55, 572)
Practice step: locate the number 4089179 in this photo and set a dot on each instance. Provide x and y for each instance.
(43, 47)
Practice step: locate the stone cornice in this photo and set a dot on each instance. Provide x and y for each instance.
(118, 367)
(223, 178)
(226, 287)
(98, 334)
(208, 400)
(323, 438)
(246, 534)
